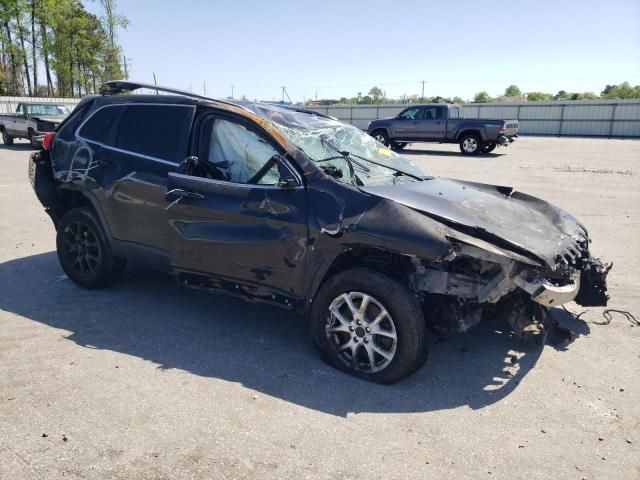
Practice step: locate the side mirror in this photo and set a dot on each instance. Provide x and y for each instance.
(287, 183)
(188, 165)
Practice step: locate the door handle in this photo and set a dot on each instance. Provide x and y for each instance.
(180, 193)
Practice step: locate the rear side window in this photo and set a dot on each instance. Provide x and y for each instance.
(157, 131)
(100, 124)
(453, 113)
(433, 113)
(68, 127)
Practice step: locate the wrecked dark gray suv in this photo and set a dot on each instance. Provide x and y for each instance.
(299, 210)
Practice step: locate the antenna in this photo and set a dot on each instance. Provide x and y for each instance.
(232, 91)
(155, 82)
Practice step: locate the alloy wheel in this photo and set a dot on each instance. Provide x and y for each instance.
(470, 145)
(361, 332)
(81, 247)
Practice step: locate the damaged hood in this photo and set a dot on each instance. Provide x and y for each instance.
(496, 214)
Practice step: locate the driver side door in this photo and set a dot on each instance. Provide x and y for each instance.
(238, 219)
(405, 126)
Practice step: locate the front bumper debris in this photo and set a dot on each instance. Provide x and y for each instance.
(544, 292)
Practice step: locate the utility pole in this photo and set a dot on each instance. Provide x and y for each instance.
(284, 92)
(232, 91)
(422, 97)
(204, 88)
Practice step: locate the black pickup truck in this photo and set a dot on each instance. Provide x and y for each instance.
(444, 124)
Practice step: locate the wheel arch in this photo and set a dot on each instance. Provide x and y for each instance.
(469, 130)
(68, 199)
(392, 264)
(385, 129)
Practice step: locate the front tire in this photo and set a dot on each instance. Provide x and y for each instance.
(6, 138)
(84, 251)
(382, 137)
(470, 144)
(369, 325)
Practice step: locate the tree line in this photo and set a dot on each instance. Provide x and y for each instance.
(512, 93)
(58, 48)
(610, 92)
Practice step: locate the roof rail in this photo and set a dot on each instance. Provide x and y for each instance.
(114, 87)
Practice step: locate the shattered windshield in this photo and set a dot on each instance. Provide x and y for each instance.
(342, 151)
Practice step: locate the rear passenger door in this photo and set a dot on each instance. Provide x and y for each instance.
(135, 146)
(432, 125)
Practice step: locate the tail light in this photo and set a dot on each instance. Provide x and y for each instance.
(47, 141)
(503, 128)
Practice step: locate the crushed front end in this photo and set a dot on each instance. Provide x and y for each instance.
(478, 279)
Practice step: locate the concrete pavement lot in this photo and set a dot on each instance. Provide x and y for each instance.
(148, 380)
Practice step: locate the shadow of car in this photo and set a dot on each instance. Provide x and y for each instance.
(148, 316)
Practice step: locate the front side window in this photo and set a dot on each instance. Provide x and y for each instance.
(410, 114)
(158, 131)
(241, 155)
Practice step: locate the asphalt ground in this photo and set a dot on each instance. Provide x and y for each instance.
(148, 380)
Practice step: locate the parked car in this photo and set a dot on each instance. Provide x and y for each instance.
(443, 123)
(31, 120)
(298, 210)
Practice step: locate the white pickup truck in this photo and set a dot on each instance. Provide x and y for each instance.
(31, 120)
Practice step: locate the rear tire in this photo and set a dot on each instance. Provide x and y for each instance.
(396, 147)
(387, 336)
(84, 251)
(470, 144)
(381, 136)
(6, 138)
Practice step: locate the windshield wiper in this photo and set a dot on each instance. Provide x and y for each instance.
(343, 154)
(350, 156)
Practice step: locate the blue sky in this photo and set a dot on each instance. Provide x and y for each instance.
(339, 48)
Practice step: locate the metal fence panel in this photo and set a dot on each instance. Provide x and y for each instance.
(530, 112)
(625, 129)
(471, 111)
(9, 104)
(627, 112)
(540, 127)
(507, 112)
(588, 112)
(605, 118)
(618, 118)
(572, 127)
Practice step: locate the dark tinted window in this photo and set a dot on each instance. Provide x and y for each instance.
(157, 131)
(99, 125)
(433, 113)
(73, 121)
